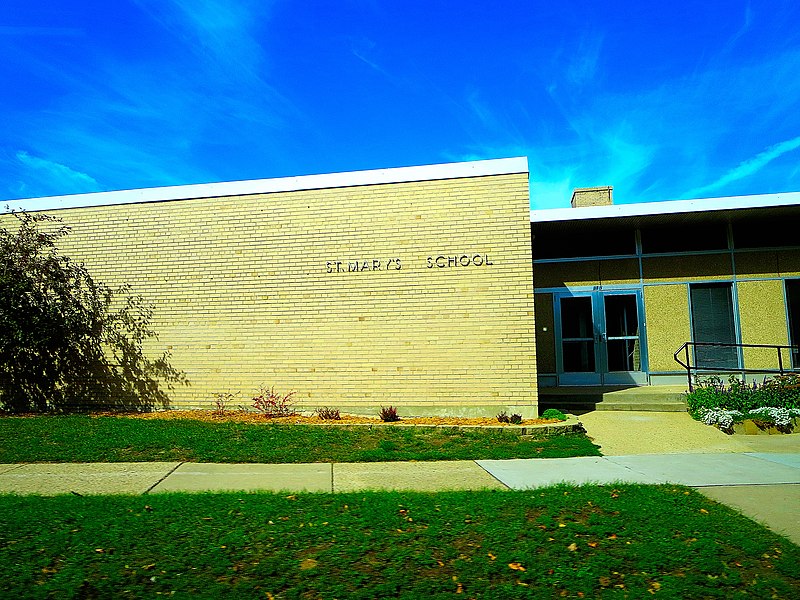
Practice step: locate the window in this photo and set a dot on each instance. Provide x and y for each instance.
(560, 241)
(766, 232)
(793, 309)
(685, 237)
(713, 321)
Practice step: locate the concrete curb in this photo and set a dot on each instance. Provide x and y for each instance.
(572, 424)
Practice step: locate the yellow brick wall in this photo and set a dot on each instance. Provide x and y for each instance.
(246, 291)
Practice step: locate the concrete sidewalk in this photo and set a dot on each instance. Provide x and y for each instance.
(695, 470)
(764, 486)
(759, 475)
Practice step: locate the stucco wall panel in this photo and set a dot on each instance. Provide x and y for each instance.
(572, 273)
(697, 267)
(252, 290)
(668, 326)
(619, 271)
(789, 263)
(762, 320)
(757, 264)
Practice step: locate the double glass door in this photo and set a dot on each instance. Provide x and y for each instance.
(600, 338)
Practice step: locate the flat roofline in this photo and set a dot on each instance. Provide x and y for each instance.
(476, 168)
(670, 207)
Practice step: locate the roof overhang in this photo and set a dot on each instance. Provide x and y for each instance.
(477, 168)
(708, 207)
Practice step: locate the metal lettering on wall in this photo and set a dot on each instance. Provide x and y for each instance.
(357, 266)
(441, 261)
(459, 260)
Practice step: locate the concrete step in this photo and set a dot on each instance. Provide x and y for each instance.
(585, 399)
(643, 406)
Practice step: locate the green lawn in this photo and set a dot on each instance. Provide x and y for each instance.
(81, 438)
(613, 541)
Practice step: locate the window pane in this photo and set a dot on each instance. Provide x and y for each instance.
(622, 318)
(561, 241)
(712, 321)
(767, 232)
(576, 317)
(685, 237)
(578, 356)
(623, 355)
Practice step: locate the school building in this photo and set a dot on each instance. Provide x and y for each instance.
(435, 288)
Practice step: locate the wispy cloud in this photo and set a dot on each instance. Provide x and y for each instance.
(667, 140)
(584, 61)
(483, 112)
(55, 177)
(749, 166)
(218, 30)
(362, 47)
(156, 119)
(747, 22)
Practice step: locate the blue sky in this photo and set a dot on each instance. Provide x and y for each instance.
(667, 100)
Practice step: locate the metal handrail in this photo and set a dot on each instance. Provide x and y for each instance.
(689, 367)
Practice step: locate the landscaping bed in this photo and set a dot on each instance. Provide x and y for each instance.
(757, 427)
(576, 542)
(750, 408)
(242, 416)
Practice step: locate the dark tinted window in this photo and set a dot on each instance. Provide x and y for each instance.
(761, 232)
(560, 241)
(686, 237)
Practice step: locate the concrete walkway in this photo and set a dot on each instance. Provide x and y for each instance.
(759, 475)
(695, 470)
(764, 486)
(627, 432)
(693, 444)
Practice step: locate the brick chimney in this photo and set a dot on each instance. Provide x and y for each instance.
(592, 196)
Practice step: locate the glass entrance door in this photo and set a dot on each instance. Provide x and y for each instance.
(600, 339)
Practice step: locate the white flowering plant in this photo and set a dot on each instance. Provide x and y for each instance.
(775, 401)
(781, 418)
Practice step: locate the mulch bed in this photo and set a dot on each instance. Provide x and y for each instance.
(258, 418)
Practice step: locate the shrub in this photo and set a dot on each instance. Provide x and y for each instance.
(388, 414)
(775, 401)
(514, 419)
(272, 404)
(221, 402)
(782, 391)
(328, 414)
(554, 413)
(68, 341)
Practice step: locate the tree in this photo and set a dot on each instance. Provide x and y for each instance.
(67, 341)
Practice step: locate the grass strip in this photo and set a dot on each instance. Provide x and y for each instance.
(565, 541)
(82, 438)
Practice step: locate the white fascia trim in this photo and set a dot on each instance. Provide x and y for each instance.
(670, 207)
(477, 168)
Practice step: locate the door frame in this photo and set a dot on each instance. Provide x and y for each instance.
(601, 375)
